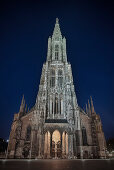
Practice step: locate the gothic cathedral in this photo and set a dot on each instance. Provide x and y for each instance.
(56, 127)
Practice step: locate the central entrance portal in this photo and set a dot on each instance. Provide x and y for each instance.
(56, 145)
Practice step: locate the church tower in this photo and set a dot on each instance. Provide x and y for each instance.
(56, 127)
(56, 90)
(56, 100)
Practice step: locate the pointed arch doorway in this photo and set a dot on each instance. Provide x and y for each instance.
(56, 144)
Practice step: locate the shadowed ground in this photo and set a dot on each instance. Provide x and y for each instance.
(56, 164)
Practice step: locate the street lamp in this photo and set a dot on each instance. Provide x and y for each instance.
(6, 151)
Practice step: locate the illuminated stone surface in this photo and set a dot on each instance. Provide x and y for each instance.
(56, 127)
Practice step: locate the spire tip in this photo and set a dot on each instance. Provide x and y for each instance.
(57, 20)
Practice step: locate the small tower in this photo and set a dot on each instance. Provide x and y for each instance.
(26, 108)
(57, 31)
(22, 107)
(89, 108)
(56, 45)
(86, 109)
(92, 107)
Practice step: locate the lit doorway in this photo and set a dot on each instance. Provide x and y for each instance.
(56, 145)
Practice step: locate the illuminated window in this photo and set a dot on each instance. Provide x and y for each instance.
(56, 136)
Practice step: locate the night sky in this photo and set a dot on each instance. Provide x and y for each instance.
(89, 29)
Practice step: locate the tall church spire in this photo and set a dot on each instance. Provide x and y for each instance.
(57, 20)
(56, 45)
(57, 31)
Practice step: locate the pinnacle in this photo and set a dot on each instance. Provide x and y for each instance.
(57, 20)
(91, 100)
(57, 31)
(23, 101)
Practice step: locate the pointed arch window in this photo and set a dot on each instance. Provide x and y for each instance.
(56, 51)
(60, 78)
(18, 131)
(84, 136)
(56, 105)
(77, 139)
(52, 72)
(28, 133)
(52, 78)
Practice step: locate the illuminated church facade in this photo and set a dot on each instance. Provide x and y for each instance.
(56, 127)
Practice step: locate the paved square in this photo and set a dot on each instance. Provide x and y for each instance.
(56, 164)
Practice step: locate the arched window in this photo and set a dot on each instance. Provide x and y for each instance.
(60, 106)
(56, 51)
(52, 72)
(18, 132)
(56, 105)
(60, 73)
(60, 78)
(28, 133)
(52, 78)
(77, 139)
(84, 136)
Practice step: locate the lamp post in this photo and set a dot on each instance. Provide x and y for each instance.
(6, 151)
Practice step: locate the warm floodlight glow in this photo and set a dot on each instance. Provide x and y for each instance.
(56, 136)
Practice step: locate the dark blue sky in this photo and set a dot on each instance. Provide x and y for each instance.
(24, 29)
